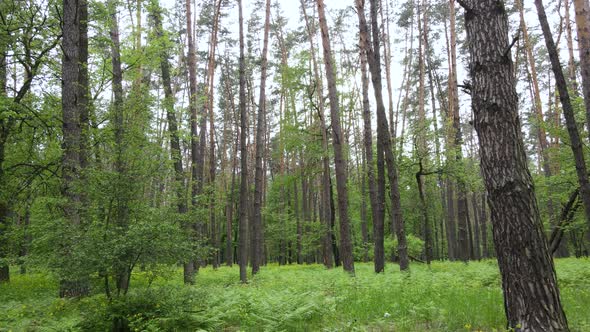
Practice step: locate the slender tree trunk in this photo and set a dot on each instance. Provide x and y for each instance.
(383, 136)
(192, 267)
(582, 8)
(243, 221)
(4, 130)
(571, 64)
(531, 296)
(538, 105)
(455, 148)
(175, 150)
(484, 226)
(121, 269)
(568, 112)
(377, 202)
(260, 130)
(476, 226)
(337, 144)
(212, 159)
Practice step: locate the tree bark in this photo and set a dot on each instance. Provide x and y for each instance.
(260, 130)
(582, 8)
(337, 142)
(175, 150)
(377, 202)
(192, 267)
(462, 248)
(383, 134)
(531, 295)
(243, 221)
(71, 285)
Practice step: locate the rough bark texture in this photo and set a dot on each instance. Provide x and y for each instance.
(531, 296)
(383, 136)
(243, 210)
(337, 143)
(568, 111)
(260, 130)
(71, 137)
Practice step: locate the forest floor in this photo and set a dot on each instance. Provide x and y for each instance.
(445, 297)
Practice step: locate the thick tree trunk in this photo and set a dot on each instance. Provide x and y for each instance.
(337, 142)
(531, 296)
(73, 286)
(243, 221)
(257, 245)
(568, 112)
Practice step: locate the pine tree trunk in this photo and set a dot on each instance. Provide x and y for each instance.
(243, 209)
(4, 130)
(582, 8)
(71, 286)
(190, 268)
(383, 134)
(260, 130)
(377, 203)
(337, 144)
(175, 152)
(122, 210)
(462, 249)
(531, 296)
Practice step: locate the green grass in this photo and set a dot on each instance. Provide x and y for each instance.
(446, 297)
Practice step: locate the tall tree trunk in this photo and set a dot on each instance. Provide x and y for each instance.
(462, 248)
(121, 269)
(71, 285)
(257, 244)
(4, 129)
(538, 105)
(175, 150)
(192, 267)
(243, 222)
(571, 64)
(582, 8)
(326, 215)
(212, 159)
(337, 142)
(377, 202)
(531, 296)
(383, 136)
(568, 112)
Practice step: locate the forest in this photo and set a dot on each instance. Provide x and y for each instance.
(311, 165)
